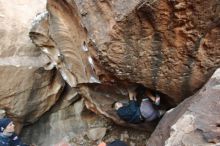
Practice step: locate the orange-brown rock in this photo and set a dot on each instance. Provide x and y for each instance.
(170, 46)
(99, 47)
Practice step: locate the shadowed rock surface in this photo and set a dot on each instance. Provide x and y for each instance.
(27, 90)
(194, 122)
(93, 51)
(71, 125)
(164, 45)
(101, 103)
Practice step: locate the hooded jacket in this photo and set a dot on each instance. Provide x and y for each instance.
(130, 113)
(12, 140)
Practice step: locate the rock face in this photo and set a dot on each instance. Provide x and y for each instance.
(97, 49)
(60, 35)
(193, 122)
(27, 90)
(58, 126)
(72, 125)
(164, 45)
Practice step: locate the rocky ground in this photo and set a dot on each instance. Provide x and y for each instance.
(88, 129)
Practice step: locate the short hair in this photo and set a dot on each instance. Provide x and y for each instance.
(140, 90)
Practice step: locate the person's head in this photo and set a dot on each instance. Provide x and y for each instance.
(141, 91)
(116, 105)
(6, 125)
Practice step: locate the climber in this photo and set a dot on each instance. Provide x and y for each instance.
(7, 134)
(135, 113)
(114, 143)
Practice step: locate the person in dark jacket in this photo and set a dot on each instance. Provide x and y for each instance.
(135, 113)
(7, 134)
(114, 143)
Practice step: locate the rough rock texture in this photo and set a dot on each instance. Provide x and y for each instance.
(170, 46)
(71, 125)
(101, 103)
(61, 37)
(193, 122)
(165, 45)
(27, 90)
(60, 125)
(99, 47)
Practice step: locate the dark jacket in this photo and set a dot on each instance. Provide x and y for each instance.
(130, 113)
(10, 140)
(117, 143)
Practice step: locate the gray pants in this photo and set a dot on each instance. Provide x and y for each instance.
(148, 111)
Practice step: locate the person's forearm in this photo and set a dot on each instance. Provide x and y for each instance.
(153, 98)
(132, 96)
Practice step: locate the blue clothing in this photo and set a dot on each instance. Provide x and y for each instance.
(4, 123)
(117, 143)
(130, 113)
(10, 140)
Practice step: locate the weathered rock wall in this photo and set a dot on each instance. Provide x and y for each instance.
(169, 46)
(99, 48)
(193, 122)
(27, 90)
(72, 125)
(164, 45)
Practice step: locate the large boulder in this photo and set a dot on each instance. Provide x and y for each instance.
(27, 89)
(170, 46)
(196, 121)
(60, 35)
(57, 126)
(100, 47)
(163, 45)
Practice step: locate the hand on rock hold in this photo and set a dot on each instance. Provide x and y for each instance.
(157, 100)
